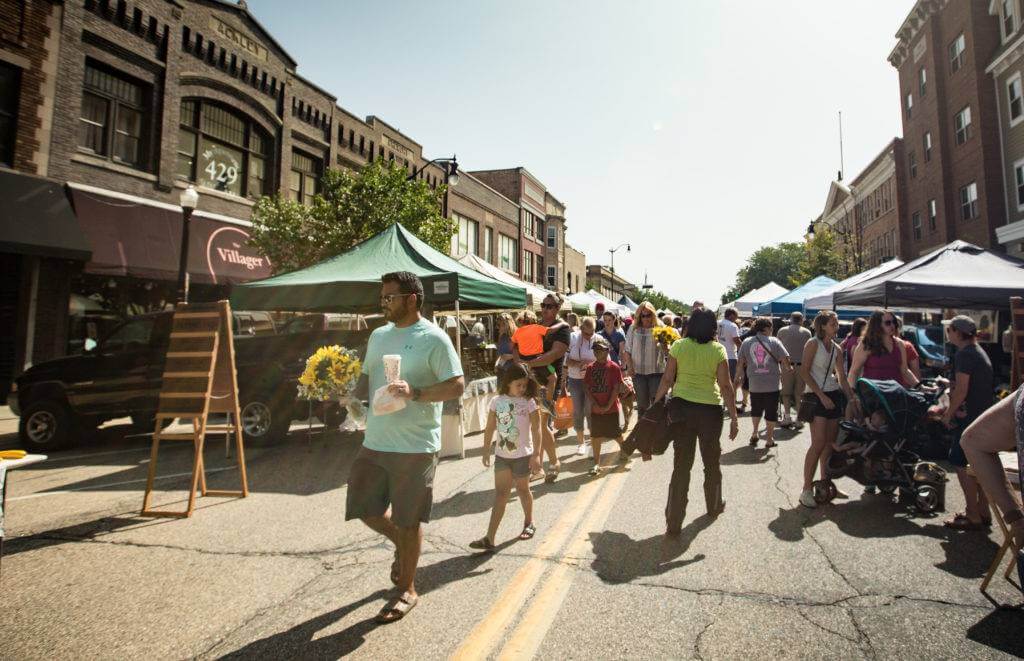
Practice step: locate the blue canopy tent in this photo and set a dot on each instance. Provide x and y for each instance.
(823, 300)
(628, 302)
(793, 301)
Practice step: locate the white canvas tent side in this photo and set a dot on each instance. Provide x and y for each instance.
(609, 304)
(745, 304)
(534, 295)
(590, 299)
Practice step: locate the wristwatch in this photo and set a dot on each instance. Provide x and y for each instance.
(416, 392)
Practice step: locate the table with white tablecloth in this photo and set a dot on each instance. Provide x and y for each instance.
(466, 415)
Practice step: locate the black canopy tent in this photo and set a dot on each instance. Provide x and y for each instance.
(959, 275)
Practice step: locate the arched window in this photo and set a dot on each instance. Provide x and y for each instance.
(224, 150)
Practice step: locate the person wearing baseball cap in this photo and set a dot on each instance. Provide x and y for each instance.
(972, 379)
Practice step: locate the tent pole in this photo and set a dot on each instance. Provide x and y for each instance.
(458, 330)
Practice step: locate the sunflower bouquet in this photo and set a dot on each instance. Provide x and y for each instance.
(331, 373)
(665, 336)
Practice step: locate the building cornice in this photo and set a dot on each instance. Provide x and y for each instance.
(911, 26)
(1007, 57)
(1011, 232)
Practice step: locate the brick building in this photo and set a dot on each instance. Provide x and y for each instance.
(869, 216)
(40, 242)
(950, 123)
(554, 243)
(575, 270)
(483, 216)
(1006, 69)
(526, 250)
(610, 284)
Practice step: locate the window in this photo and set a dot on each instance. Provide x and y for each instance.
(532, 226)
(468, 238)
(915, 221)
(552, 276)
(912, 162)
(568, 282)
(969, 201)
(540, 269)
(932, 215)
(305, 179)
(488, 243)
(133, 335)
(113, 121)
(1018, 173)
(956, 53)
(10, 88)
(1009, 18)
(910, 104)
(552, 237)
(927, 144)
(1015, 100)
(508, 253)
(962, 125)
(222, 150)
(922, 81)
(528, 274)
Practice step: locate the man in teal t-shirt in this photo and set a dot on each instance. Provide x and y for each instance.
(395, 467)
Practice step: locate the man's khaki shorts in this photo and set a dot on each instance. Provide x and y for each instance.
(403, 481)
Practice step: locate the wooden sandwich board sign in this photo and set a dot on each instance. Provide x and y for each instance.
(199, 379)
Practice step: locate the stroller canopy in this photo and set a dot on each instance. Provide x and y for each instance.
(903, 408)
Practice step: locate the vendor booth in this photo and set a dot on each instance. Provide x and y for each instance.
(793, 301)
(745, 304)
(350, 282)
(823, 300)
(959, 275)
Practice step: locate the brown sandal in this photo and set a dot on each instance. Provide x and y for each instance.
(397, 608)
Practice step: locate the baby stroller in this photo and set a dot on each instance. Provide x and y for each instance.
(879, 451)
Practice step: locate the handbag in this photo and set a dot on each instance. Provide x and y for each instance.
(563, 409)
(808, 400)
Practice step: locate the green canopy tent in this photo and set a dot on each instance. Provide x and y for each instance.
(350, 282)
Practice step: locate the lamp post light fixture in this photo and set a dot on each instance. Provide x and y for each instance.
(189, 200)
(451, 176)
(612, 251)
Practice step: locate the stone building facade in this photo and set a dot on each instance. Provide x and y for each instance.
(575, 270)
(1006, 70)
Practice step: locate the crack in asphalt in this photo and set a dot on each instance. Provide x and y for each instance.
(710, 623)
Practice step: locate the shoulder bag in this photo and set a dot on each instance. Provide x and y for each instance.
(809, 400)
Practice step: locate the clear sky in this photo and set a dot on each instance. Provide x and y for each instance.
(697, 130)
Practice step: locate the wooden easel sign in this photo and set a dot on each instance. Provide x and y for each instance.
(199, 379)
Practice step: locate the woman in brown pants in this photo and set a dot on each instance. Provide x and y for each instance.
(697, 374)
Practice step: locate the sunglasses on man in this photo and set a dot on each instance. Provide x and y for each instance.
(386, 299)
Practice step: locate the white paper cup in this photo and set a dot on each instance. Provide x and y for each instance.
(392, 367)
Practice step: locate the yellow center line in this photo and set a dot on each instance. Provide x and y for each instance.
(485, 635)
(540, 614)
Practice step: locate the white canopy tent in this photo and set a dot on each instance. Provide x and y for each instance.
(823, 300)
(590, 299)
(745, 304)
(534, 295)
(609, 304)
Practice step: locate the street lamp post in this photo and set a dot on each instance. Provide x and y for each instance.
(611, 251)
(189, 201)
(451, 176)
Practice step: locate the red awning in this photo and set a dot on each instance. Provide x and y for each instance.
(142, 240)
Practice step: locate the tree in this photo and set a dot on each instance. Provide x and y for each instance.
(350, 208)
(661, 301)
(779, 263)
(821, 257)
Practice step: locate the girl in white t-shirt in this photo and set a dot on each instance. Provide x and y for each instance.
(515, 417)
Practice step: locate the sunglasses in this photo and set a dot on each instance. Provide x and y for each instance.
(888, 322)
(646, 316)
(387, 298)
(549, 306)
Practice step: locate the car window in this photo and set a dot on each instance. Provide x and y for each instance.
(132, 335)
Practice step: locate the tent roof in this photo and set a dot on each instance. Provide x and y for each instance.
(350, 282)
(794, 300)
(762, 294)
(823, 299)
(958, 275)
(629, 303)
(590, 298)
(609, 304)
(534, 295)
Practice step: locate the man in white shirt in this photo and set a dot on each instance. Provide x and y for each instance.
(729, 336)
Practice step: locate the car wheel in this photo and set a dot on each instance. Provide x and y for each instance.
(263, 423)
(46, 425)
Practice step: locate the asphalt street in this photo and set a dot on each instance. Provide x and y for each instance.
(281, 574)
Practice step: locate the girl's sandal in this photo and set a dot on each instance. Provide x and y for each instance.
(753, 441)
(528, 532)
(769, 444)
(482, 544)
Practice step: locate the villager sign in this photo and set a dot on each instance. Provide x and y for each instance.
(230, 259)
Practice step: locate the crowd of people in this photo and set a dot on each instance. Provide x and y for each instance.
(604, 362)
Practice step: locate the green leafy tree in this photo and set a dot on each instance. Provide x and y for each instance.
(821, 257)
(350, 208)
(780, 263)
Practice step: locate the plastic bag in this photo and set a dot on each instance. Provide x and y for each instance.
(563, 412)
(385, 403)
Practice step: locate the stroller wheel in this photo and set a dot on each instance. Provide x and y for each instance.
(824, 491)
(926, 499)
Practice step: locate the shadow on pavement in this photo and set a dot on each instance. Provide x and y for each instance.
(298, 642)
(967, 553)
(746, 456)
(1001, 630)
(620, 559)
